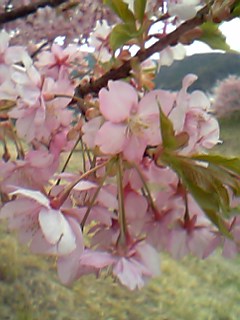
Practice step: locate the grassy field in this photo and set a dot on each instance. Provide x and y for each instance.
(186, 290)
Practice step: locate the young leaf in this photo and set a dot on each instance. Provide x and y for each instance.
(231, 164)
(121, 9)
(213, 37)
(120, 35)
(167, 131)
(139, 9)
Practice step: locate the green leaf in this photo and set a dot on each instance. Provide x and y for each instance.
(167, 131)
(139, 9)
(171, 141)
(121, 9)
(219, 222)
(236, 9)
(231, 164)
(213, 37)
(206, 188)
(225, 169)
(120, 35)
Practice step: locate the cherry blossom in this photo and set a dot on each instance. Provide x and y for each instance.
(131, 125)
(133, 193)
(132, 269)
(99, 40)
(47, 228)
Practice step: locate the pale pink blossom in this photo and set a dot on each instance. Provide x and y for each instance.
(189, 114)
(190, 234)
(167, 209)
(32, 172)
(58, 59)
(99, 40)
(140, 263)
(39, 114)
(132, 125)
(230, 247)
(46, 228)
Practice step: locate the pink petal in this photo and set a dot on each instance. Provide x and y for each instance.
(17, 207)
(97, 259)
(135, 206)
(149, 104)
(117, 102)
(84, 185)
(35, 195)
(134, 148)
(150, 258)
(56, 230)
(111, 137)
(69, 265)
(178, 243)
(129, 274)
(40, 245)
(199, 100)
(4, 40)
(90, 130)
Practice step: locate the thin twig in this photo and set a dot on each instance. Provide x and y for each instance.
(124, 70)
(24, 11)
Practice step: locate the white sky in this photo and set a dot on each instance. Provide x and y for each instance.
(230, 29)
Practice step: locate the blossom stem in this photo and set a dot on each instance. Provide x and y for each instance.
(121, 208)
(94, 197)
(68, 159)
(59, 200)
(83, 155)
(147, 190)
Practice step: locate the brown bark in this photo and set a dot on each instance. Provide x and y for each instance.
(24, 11)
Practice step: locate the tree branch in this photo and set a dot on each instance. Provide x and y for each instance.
(124, 70)
(24, 11)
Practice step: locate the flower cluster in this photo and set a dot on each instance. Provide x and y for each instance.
(144, 183)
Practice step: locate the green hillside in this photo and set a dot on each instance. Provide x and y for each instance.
(209, 67)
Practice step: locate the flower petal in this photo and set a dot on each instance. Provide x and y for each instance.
(117, 102)
(57, 231)
(35, 195)
(111, 137)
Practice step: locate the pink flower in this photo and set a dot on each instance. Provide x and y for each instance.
(189, 115)
(12, 54)
(51, 62)
(230, 247)
(132, 269)
(39, 115)
(33, 172)
(48, 230)
(131, 125)
(136, 208)
(168, 209)
(99, 40)
(203, 130)
(191, 233)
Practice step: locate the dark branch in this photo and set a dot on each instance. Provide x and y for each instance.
(124, 70)
(24, 11)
